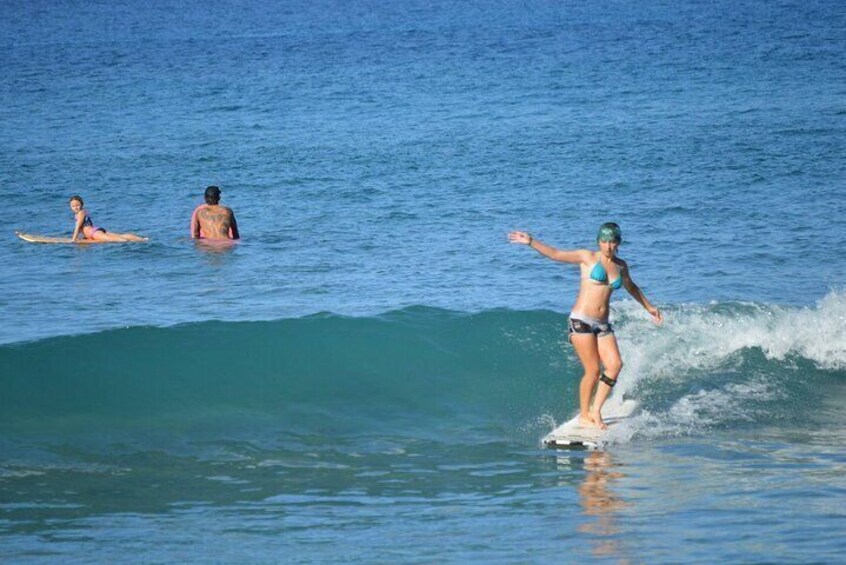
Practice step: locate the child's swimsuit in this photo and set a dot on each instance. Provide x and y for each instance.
(88, 227)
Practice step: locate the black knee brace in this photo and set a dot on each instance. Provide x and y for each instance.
(607, 380)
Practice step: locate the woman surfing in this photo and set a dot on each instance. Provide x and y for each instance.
(591, 334)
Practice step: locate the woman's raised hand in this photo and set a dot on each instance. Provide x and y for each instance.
(520, 237)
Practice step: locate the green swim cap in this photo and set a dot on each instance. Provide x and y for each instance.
(609, 231)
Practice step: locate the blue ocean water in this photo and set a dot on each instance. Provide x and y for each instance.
(366, 376)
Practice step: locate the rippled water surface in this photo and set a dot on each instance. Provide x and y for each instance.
(367, 375)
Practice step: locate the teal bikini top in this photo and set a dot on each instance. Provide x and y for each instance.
(599, 274)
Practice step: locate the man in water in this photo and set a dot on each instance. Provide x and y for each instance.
(213, 221)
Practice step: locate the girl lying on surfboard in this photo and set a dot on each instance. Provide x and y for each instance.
(590, 332)
(85, 226)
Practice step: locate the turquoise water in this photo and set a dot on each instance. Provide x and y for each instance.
(414, 436)
(365, 378)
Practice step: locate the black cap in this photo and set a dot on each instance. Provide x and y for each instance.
(213, 191)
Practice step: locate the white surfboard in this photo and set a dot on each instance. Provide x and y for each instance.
(32, 238)
(574, 435)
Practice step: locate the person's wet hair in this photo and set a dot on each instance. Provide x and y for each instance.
(212, 195)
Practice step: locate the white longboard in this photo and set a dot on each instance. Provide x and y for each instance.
(33, 238)
(574, 435)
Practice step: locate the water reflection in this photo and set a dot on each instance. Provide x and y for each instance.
(215, 246)
(601, 505)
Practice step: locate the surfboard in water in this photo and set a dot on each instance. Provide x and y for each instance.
(32, 238)
(573, 435)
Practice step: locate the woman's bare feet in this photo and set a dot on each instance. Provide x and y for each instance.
(597, 421)
(592, 421)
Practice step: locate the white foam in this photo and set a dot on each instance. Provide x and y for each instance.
(701, 338)
(700, 410)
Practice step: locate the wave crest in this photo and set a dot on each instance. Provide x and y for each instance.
(427, 369)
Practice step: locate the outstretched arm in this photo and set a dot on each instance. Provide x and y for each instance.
(638, 295)
(562, 255)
